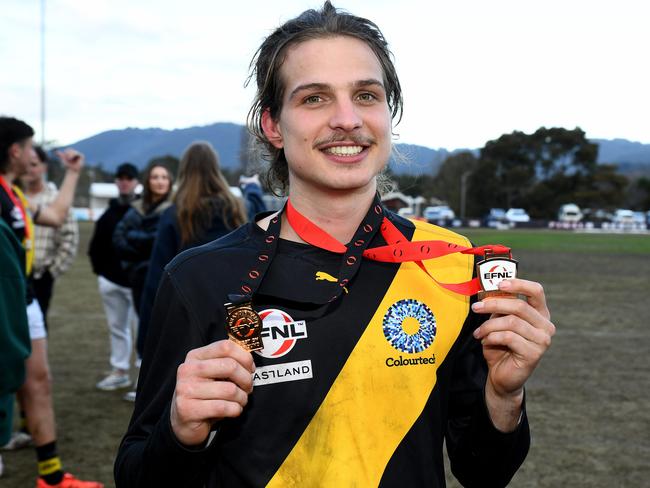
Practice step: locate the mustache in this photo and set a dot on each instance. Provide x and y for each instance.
(358, 139)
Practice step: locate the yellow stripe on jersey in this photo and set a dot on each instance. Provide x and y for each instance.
(371, 406)
(28, 244)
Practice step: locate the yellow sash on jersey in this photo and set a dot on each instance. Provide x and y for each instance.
(28, 243)
(371, 407)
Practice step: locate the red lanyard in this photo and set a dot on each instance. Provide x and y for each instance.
(398, 249)
(17, 203)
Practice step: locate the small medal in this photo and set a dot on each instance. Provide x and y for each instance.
(244, 326)
(491, 271)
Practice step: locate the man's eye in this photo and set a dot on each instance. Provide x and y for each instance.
(367, 97)
(313, 99)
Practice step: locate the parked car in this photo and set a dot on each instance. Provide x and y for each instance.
(569, 212)
(639, 218)
(623, 216)
(439, 213)
(496, 217)
(517, 216)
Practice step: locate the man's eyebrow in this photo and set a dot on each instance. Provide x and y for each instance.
(325, 86)
(308, 86)
(368, 82)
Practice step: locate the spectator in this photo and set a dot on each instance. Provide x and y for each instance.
(35, 394)
(54, 247)
(14, 332)
(113, 280)
(204, 209)
(134, 235)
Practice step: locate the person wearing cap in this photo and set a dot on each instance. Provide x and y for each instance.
(113, 280)
(332, 343)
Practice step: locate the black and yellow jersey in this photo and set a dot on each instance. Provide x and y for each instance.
(362, 391)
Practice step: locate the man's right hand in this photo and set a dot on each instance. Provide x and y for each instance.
(213, 383)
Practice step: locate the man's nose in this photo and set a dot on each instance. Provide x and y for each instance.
(345, 116)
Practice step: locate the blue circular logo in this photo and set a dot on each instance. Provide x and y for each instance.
(423, 321)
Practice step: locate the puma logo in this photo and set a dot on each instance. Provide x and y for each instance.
(323, 276)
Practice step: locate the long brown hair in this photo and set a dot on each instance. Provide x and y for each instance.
(203, 190)
(147, 196)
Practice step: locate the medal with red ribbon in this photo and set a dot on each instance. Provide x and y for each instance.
(398, 249)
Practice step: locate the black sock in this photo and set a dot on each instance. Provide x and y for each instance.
(49, 464)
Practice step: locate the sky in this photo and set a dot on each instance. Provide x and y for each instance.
(471, 70)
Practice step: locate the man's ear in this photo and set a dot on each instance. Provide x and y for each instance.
(15, 150)
(272, 130)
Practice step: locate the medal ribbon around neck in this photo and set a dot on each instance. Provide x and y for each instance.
(17, 203)
(398, 249)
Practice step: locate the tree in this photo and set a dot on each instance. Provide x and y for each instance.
(448, 183)
(538, 171)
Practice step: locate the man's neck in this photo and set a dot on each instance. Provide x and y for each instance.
(337, 213)
(8, 176)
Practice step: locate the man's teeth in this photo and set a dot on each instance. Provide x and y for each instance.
(345, 150)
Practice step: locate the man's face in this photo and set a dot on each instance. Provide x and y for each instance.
(35, 169)
(335, 125)
(125, 184)
(21, 156)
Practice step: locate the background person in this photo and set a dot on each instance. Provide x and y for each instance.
(113, 280)
(135, 233)
(15, 344)
(35, 396)
(54, 247)
(203, 209)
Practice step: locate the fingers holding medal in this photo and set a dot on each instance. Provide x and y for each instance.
(212, 383)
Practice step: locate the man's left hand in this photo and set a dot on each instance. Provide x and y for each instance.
(514, 338)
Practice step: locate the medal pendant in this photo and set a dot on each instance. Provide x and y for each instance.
(244, 326)
(492, 271)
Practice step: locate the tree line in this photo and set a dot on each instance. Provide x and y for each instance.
(539, 172)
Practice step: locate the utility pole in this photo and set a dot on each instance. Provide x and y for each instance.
(42, 72)
(463, 193)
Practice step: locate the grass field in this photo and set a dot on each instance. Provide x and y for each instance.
(588, 402)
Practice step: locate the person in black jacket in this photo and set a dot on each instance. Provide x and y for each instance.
(134, 235)
(113, 280)
(204, 209)
(374, 355)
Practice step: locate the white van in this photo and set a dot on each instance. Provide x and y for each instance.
(569, 212)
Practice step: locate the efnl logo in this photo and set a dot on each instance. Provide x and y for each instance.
(279, 333)
(409, 326)
(493, 271)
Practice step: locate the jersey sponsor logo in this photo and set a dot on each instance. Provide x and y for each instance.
(409, 326)
(279, 333)
(401, 361)
(280, 373)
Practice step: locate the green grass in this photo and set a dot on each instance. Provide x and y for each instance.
(561, 241)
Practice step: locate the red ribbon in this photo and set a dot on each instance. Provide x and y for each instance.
(398, 249)
(17, 203)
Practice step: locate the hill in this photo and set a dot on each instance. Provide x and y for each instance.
(139, 146)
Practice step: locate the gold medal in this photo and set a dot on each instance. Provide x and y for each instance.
(493, 270)
(244, 326)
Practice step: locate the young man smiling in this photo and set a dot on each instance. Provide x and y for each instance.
(372, 356)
